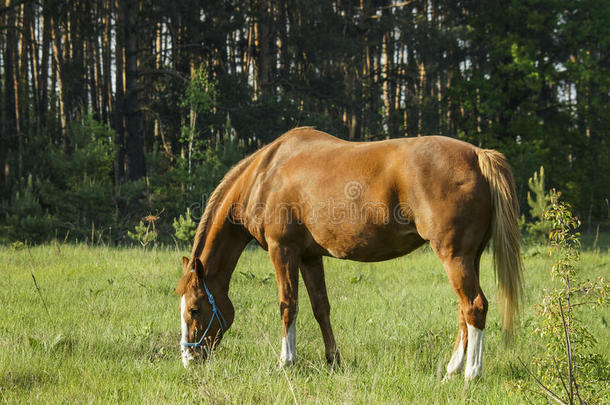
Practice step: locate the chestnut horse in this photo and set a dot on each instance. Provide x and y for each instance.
(309, 194)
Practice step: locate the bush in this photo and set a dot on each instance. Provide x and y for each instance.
(24, 217)
(69, 188)
(569, 369)
(143, 233)
(538, 200)
(185, 228)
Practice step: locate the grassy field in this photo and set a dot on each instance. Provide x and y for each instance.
(112, 329)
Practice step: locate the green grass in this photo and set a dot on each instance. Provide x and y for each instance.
(113, 331)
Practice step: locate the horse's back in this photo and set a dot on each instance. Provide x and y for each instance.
(365, 200)
(301, 147)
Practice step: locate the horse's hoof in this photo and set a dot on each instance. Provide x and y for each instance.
(473, 377)
(447, 377)
(287, 362)
(334, 360)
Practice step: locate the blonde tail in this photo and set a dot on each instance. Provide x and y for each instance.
(505, 233)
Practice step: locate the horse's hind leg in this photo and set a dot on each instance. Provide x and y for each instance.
(313, 275)
(464, 279)
(286, 265)
(456, 363)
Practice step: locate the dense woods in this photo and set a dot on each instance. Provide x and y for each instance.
(116, 109)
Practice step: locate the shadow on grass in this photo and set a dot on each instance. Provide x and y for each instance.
(26, 379)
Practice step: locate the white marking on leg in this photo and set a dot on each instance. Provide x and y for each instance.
(474, 360)
(289, 343)
(456, 364)
(184, 351)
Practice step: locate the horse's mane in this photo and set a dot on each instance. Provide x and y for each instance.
(215, 199)
(210, 208)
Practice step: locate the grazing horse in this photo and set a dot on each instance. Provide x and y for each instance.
(309, 194)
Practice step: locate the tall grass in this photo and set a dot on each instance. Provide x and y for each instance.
(112, 331)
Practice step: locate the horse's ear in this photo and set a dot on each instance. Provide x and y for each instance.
(185, 263)
(198, 268)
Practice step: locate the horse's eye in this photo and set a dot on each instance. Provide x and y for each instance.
(194, 311)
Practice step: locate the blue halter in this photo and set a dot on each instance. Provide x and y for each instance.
(215, 314)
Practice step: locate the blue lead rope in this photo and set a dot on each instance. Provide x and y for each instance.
(215, 314)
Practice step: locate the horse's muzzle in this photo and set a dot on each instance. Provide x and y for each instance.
(192, 354)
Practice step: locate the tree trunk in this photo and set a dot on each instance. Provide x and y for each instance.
(388, 94)
(158, 64)
(284, 55)
(44, 66)
(96, 79)
(21, 78)
(58, 59)
(118, 116)
(107, 104)
(32, 45)
(9, 123)
(133, 116)
(264, 38)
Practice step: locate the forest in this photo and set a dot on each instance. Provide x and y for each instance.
(112, 111)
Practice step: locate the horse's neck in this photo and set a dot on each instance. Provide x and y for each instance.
(219, 240)
(224, 244)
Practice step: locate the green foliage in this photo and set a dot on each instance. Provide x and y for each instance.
(132, 200)
(24, 218)
(144, 234)
(18, 245)
(200, 91)
(93, 149)
(174, 188)
(77, 183)
(571, 367)
(69, 187)
(184, 227)
(198, 97)
(538, 201)
(72, 188)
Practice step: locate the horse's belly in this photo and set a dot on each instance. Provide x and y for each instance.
(372, 245)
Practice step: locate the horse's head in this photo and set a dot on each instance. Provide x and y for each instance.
(205, 313)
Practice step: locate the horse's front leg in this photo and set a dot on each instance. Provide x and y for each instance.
(313, 275)
(286, 265)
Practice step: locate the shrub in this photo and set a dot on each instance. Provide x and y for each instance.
(144, 234)
(185, 228)
(25, 218)
(569, 370)
(69, 187)
(538, 201)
